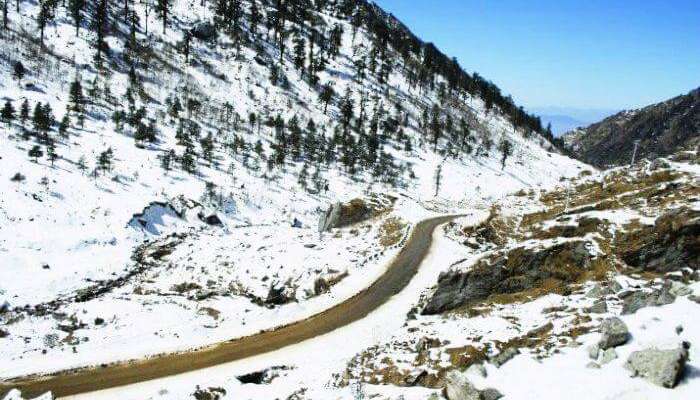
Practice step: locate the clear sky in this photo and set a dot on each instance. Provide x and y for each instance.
(612, 54)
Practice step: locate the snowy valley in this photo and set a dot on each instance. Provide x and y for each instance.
(179, 174)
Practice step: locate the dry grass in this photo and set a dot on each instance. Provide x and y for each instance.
(391, 231)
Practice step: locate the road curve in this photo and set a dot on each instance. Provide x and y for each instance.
(399, 273)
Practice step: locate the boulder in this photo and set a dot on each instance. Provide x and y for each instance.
(504, 356)
(660, 367)
(458, 387)
(614, 333)
(593, 351)
(514, 271)
(204, 30)
(478, 370)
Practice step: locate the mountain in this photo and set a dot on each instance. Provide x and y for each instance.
(660, 129)
(565, 119)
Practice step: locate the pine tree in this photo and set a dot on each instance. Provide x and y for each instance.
(105, 160)
(82, 165)
(506, 148)
(24, 112)
(76, 96)
(35, 152)
(4, 13)
(347, 111)
(99, 25)
(299, 53)
(255, 17)
(18, 71)
(8, 112)
(326, 96)
(188, 161)
(51, 152)
(64, 125)
(46, 10)
(166, 159)
(76, 11)
(163, 7)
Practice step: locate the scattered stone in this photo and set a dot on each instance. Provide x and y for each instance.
(504, 356)
(593, 365)
(679, 329)
(477, 369)
(99, 321)
(593, 351)
(614, 333)
(694, 298)
(660, 367)
(607, 356)
(598, 290)
(491, 394)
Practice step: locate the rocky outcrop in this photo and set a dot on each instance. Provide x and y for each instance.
(671, 245)
(660, 367)
(661, 129)
(340, 215)
(518, 270)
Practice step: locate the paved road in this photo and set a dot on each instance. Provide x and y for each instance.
(398, 275)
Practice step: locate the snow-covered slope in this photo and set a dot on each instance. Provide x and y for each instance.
(72, 229)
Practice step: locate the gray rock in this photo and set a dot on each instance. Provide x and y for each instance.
(504, 356)
(634, 301)
(593, 351)
(614, 333)
(607, 356)
(679, 329)
(599, 307)
(660, 367)
(679, 289)
(593, 365)
(477, 369)
(204, 31)
(491, 394)
(458, 387)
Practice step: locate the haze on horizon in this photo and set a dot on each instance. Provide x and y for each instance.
(568, 55)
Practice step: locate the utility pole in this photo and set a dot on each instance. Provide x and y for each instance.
(634, 153)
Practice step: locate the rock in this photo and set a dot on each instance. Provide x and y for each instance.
(490, 394)
(599, 290)
(694, 298)
(340, 215)
(593, 351)
(477, 369)
(634, 301)
(204, 30)
(614, 333)
(660, 367)
(593, 365)
(679, 289)
(599, 307)
(515, 271)
(458, 387)
(211, 219)
(659, 163)
(607, 356)
(504, 356)
(679, 329)
(15, 394)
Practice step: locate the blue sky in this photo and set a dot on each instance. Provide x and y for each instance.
(576, 54)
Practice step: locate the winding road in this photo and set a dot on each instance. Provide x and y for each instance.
(399, 273)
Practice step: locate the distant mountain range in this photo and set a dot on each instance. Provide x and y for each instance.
(661, 129)
(564, 119)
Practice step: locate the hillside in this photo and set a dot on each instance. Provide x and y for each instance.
(661, 129)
